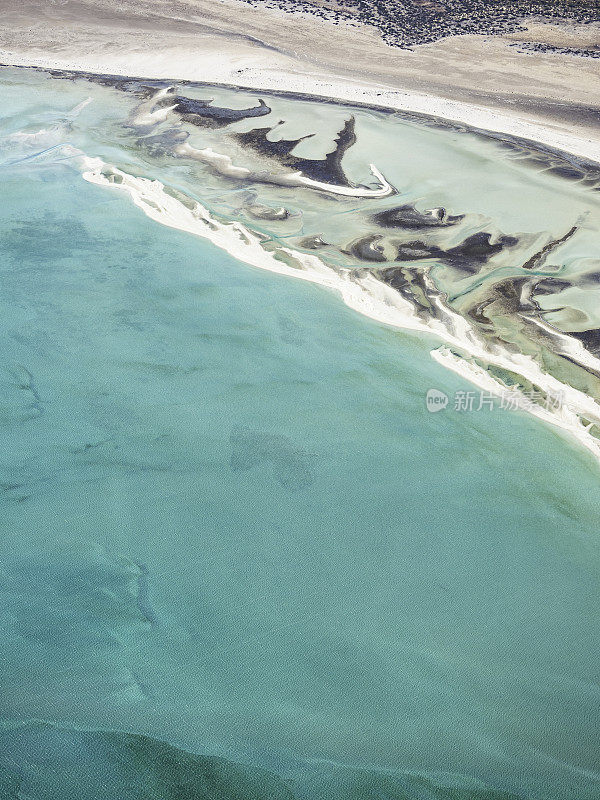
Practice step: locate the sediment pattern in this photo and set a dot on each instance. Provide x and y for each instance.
(490, 293)
(196, 449)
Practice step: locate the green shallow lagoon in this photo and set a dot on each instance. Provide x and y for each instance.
(229, 523)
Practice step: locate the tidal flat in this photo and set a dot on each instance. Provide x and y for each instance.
(238, 556)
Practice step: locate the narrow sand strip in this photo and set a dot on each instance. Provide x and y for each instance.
(365, 294)
(226, 71)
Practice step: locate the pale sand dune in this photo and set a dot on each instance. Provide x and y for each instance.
(481, 81)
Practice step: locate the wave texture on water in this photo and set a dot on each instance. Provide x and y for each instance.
(102, 765)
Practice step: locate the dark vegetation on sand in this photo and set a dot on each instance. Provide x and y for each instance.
(328, 169)
(409, 22)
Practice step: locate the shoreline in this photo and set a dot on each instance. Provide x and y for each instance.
(479, 119)
(366, 295)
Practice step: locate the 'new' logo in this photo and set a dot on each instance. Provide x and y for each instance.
(436, 400)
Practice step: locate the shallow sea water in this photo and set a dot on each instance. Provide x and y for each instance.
(229, 523)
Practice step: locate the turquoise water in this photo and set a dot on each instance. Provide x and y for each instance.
(230, 524)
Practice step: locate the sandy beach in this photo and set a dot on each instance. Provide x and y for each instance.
(547, 97)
